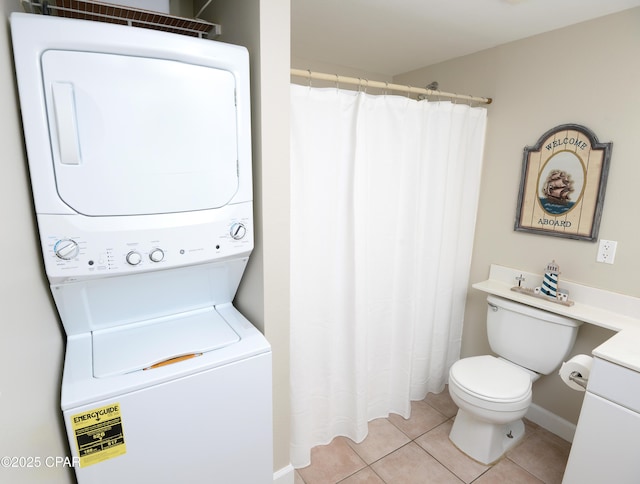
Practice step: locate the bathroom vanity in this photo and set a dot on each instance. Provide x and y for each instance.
(607, 437)
(605, 447)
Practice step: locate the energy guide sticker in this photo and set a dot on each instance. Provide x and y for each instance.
(99, 434)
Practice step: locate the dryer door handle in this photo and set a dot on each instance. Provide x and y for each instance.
(66, 122)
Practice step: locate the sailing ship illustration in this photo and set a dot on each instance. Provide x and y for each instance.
(557, 188)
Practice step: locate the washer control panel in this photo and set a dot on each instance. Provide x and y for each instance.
(76, 248)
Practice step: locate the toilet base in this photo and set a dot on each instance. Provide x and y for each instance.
(483, 441)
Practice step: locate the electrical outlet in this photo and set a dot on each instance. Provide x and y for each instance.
(607, 251)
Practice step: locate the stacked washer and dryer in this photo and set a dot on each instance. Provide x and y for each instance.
(139, 151)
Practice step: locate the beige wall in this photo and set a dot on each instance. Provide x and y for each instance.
(263, 27)
(32, 340)
(274, 119)
(586, 74)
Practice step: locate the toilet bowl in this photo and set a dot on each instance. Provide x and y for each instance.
(492, 396)
(494, 393)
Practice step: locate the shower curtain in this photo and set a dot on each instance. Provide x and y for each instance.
(384, 194)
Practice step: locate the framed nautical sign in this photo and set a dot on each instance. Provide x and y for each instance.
(563, 182)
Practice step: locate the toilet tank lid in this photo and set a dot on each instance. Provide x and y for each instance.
(534, 312)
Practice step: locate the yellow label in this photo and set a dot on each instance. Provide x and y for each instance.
(99, 434)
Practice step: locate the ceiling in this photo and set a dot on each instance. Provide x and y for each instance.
(391, 37)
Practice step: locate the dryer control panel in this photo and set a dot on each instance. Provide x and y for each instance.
(77, 247)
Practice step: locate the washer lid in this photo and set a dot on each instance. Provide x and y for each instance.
(491, 379)
(140, 346)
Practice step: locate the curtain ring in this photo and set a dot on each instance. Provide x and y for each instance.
(309, 71)
(337, 82)
(408, 91)
(366, 85)
(386, 87)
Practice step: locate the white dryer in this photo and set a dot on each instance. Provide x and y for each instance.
(139, 152)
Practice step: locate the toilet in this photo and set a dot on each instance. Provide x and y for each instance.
(494, 393)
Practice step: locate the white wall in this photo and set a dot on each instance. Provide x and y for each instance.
(586, 74)
(32, 339)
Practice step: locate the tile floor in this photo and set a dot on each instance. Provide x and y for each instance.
(418, 450)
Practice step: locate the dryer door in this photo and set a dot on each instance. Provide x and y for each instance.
(127, 132)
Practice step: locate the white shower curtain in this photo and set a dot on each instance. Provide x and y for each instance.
(384, 198)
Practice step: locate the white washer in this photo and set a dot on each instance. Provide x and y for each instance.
(139, 152)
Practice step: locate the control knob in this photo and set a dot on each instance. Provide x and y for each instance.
(238, 231)
(66, 249)
(156, 255)
(133, 258)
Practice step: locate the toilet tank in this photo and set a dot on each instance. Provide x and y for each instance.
(530, 337)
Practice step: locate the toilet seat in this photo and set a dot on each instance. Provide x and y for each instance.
(490, 379)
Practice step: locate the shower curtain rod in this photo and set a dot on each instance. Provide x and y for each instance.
(386, 85)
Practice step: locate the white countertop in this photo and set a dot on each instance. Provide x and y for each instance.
(618, 312)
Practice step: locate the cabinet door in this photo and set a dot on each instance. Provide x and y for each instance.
(605, 447)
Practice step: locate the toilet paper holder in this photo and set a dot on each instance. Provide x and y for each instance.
(576, 376)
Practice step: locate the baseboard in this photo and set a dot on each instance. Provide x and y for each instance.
(284, 476)
(551, 422)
